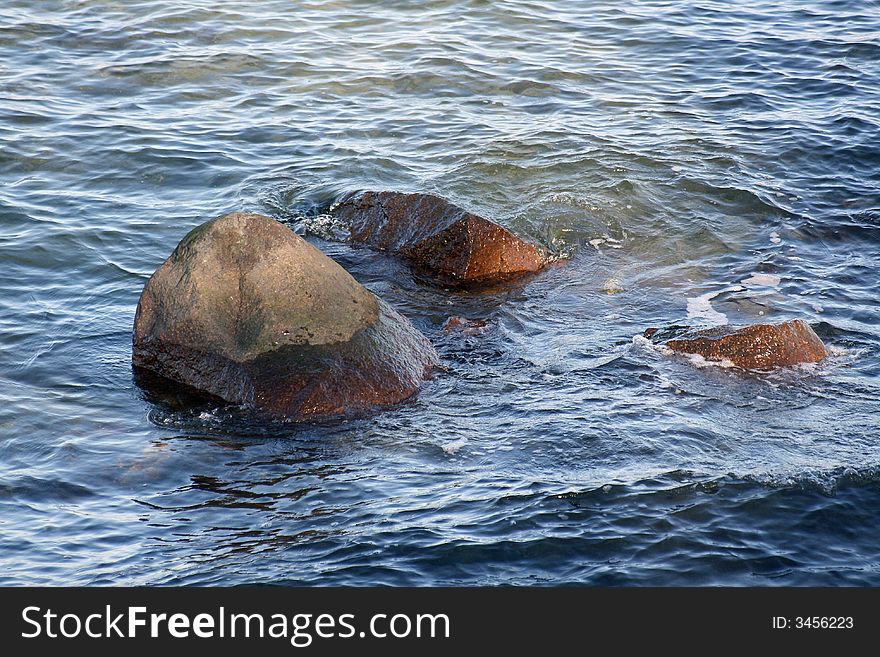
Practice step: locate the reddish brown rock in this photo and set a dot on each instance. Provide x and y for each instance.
(439, 240)
(247, 311)
(466, 326)
(755, 347)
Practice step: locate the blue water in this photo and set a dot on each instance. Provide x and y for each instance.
(696, 162)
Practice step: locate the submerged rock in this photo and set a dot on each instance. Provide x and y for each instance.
(440, 240)
(247, 311)
(755, 347)
(465, 326)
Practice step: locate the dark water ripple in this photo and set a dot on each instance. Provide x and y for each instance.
(692, 159)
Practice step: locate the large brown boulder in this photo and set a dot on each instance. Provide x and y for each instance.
(248, 311)
(440, 240)
(754, 347)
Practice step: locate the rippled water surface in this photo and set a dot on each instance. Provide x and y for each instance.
(697, 162)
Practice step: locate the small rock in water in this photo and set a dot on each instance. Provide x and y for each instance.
(612, 285)
(465, 325)
(754, 347)
(440, 240)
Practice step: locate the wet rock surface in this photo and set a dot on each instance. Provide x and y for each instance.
(465, 326)
(754, 347)
(441, 241)
(249, 312)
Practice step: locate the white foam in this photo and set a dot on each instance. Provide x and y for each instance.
(452, 447)
(699, 361)
(700, 308)
(326, 226)
(640, 341)
(774, 237)
(762, 279)
(606, 240)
